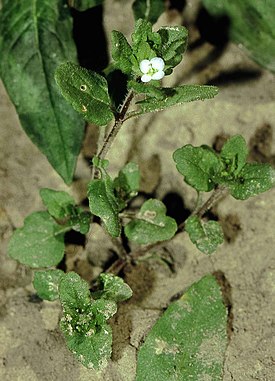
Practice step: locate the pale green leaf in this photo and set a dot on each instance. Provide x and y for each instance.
(151, 224)
(198, 165)
(253, 179)
(35, 37)
(121, 52)
(149, 10)
(46, 283)
(58, 203)
(177, 95)
(189, 341)
(104, 204)
(207, 236)
(86, 91)
(113, 288)
(39, 243)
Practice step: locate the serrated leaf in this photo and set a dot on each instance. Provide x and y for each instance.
(83, 5)
(189, 341)
(90, 341)
(198, 165)
(114, 288)
(121, 52)
(103, 203)
(86, 91)
(35, 37)
(173, 44)
(177, 95)
(46, 283)
(39, 243)
(253, 179)
(251, 26)
(234, 153)
(151, 224)
(127, 183)
(207, 236)
(149, 10)
(57, 202)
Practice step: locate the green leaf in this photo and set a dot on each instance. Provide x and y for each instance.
(151, 224)
(234, 153)
(149, 10)
(173, 45)
(83, 5)
(80, 221)
(207, 236)
(35, 37)
(46, 283)
(86, 333)
(253, 179)
(177, 95)
(251, 26)
(150, 90)
(198, 165)
(86, 91)
(114, 288)
(121, 52)
(104, 204)
(127, 183)
(58, 203)
(39, 243)
(189, 341)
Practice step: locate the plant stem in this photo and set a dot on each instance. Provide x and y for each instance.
(217, 194)
(120, 118)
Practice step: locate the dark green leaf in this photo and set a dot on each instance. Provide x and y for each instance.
(58, 203)
(234, 153)
(46, 283)
(173, 45)
(189, 341)
(86, 333)
(177, 95)
(198, 165)
(150, 90)
(253, 179)
(35, 37)
(149, 10)
(114, 288)
(251, 26)
(80, 221)
(39, 243)
(83, 5)
(121, 52)
(151, 224)
(127, 183)
(104, 204)
(207, 236)
(86, 91)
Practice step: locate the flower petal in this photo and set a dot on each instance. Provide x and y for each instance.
(144, 66)
(157, 63)
(146, 78)
(158, 75)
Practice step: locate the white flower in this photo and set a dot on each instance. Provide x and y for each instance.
(152, 69)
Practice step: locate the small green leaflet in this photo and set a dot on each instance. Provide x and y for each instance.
(104, 204)
(176, 95)
(87, 92)
(189, 341)
(253, 179)
(121, 52)
(207, 236)
(114, 288)
(149, 10)
(127, 183)
(151, 224)
(39, 243)
(198, 165)
(46, 283)
(234, 153)
(83, 323)
(58, 203)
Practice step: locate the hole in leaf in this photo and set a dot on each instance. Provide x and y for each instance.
(83, 87)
